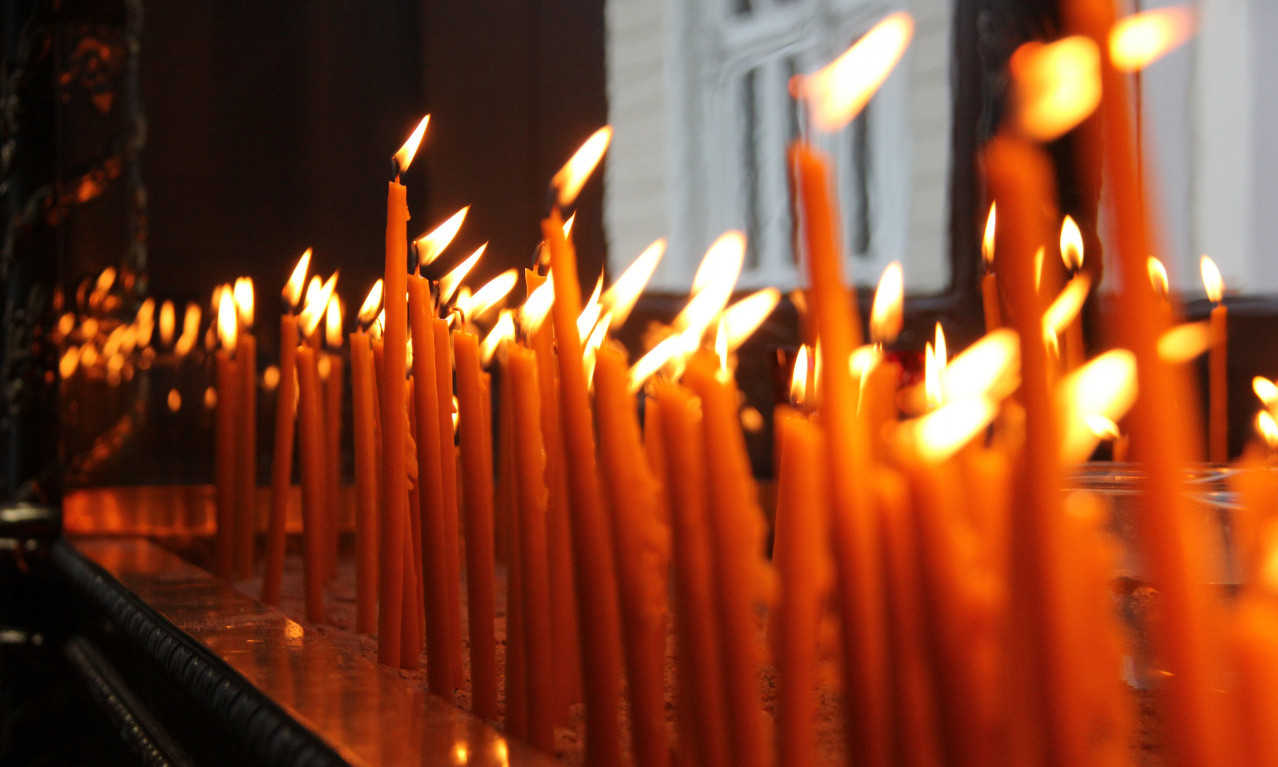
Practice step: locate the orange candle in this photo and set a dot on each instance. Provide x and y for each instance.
(448, 475)
(592, 556)
(364, 422)
(736, 538)
(246, 446)
(310, 412)
(333, 391)
(477, 503)
(412, 626)
(413, 563)
(516, 654)
(640, 544)
(282, 460)
(229, 390)
(439, 659)
(853, 533)
(702, 733)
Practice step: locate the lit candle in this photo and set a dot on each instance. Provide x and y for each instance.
(285, 416)
(989, 282)
(1217, 364)
(246, 434)
(448, 474)
(1072, 254)
(228, 396)
(394, 428)
(333, 390)
(314, 465)
(364, 421)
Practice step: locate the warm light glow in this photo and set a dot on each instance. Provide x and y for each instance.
(751, 419)
(1184, 342)
(174, 400)
(1157, 276)
(721, 345)
(243, 294)
(712, 287)
(934, 362)
(1067, 305)
(1213, 283)
(293, 288)
(316, 306)
(145, 322)
(1104, 428)
(1266, 390)
(1057, 85)
(989, 368)
(672, 351)
(372, 302)
(537, 306)
(1138, 40)
(491, 294)
(449, 283)
(69, 362)
(943, 432)
(168, 320)
(324, 366)
(270, 378)
(837, 92)
(431, 244)
(105, 280)
(66, 323)
(887, 312)
(210, 398)
(313, 289)
(502, 331)
(799, 378)
(740, 320)
(567, 227)
(190, 329)
(573, 175)
(1267, 428)
(860, 362)
(1071, 244)
(378, 328)
(620, 297)
(226, 324)
(987, 241)
(333, 323)
(1106, 387)
(590, 349)
(404, 157)
(587, 319)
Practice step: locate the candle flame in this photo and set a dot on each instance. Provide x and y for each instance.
(567, 227)
(740, 320)
(940, 434)
(226, 324)
(721, 345)
(934, 363)
(989, 368)
(404, 157)
(621, 296)
(145, 322)
(837, 92)
(168, 321)
(1267, 428)
(591, 311)
(293, 288)
(491, 294)
(378, 328)
(537, 306)
(502, 331)
(887, 311)
(69, 362)
(713, 283)
(573, 175)
(313, 289)
(1266, 390)
(1068, 303)
(372, 302)
(1157, 276)
(590, 349)
(1104, 428)
(1106, 386)
(987, 241)
(861, 361)
(190, 330)
(316, 306)
(672, 351)
(1213, 283)
(1139, 40)
(1071, 244)
(243, 293)
(799, 378)
(105, 280)
(1184, 342)
(449, 283)
(333, 323)
(430, 245)
(1057, 85)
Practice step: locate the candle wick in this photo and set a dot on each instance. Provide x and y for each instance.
(395, 169)
(414, 257)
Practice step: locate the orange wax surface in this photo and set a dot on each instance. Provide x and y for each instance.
(282, 459)
(246, 457)
(448, 474)
(394, 428)
(364, 422)
(228, 402)
(310, 411)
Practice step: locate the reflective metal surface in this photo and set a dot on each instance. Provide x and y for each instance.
(364, 711)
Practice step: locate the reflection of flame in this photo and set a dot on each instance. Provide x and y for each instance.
(293, 288)
(431, 244)
(226, 324)
(740, 320)
(372, 302)
(1057, 85)
(1212, 281)
(621, 296)
(799, 378)
(502, 331)
(1071, 244)
(333, 323)
(449, 283)
(887, 311)
(838, 91)
(1138, 40)
(404, 157)
(1184, 342)
(987, 240)
(1157, 276)
(572, 176)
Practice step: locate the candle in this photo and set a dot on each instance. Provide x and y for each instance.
(414, 622)
(640, 544)
(592, 556)
(448, 474)
(477, 503)
(333, 390)
(1217, 367)
(310, 412)
(246, 433)
(1071, 243)
(516, 654)
(439, 648)
(989, 282)
(394, 429)
(364, 421)
(285, 414)
(228, 396)
(702, 732)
